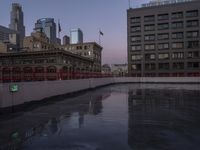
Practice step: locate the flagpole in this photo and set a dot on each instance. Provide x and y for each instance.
(129, 3)
(99, 38)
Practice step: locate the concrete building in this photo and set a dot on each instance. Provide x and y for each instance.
(47, 26)
(9, 36)
(66, 40)
(119, 69)
(106, 68)
(89, 50)
(76, 36)
(17, 21)
(163, 39)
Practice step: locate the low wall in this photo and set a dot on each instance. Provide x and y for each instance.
(35, 91)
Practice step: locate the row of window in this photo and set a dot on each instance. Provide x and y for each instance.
(165, 36)
(165, 16)
(166, 26)
(175, 55)
(166, 66)
(165, 46)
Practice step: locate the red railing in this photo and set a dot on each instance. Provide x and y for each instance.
(42, 76)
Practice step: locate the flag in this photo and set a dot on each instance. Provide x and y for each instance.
(59, 27)
(101, 33)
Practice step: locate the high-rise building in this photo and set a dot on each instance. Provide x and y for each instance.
(163, 39)
(47, 26)
(9, 36)
(17, 21)
(66, 40)
(76, 36)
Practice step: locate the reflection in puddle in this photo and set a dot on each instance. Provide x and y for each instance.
(119, 117)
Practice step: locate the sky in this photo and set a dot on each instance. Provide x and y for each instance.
(89, 15)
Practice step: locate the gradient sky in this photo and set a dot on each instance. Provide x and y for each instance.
(89, 15)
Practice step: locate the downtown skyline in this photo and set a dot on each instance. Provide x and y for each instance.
(89, 15)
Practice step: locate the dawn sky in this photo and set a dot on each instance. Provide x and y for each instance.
(89, 15)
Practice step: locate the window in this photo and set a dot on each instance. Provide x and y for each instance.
(163, 56)
(178, 55)
(149, 18)
(136, 67)
(192, 13)
(193, 44)
(163, 17)
(193, 54)
(193, 65)
(150, 27)
(150, 66)
(177, 25)
(192, 23)
(177, 15)
(35, 45)
(163, 46)
(150, 37)
(163, 66)
(150, 56)
(163, 36)
(177, 35)
(178, 65)
(149, 46)
(136, 47)
(192, 34)
(136, 38)
(27, 61)
(177, 45)
(51, 60)
(135, 20)
(135, 29)
(163, 26)
(39, 61)
(136, 57)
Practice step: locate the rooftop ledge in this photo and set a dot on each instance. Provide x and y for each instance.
(162, 2)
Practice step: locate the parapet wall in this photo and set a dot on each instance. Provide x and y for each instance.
(36, 91)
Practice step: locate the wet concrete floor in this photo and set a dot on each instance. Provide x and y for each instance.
(118, 117)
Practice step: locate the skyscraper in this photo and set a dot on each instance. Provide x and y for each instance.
(47, 26)
(76, 36)
(17, 21)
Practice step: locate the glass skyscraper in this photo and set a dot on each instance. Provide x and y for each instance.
(17, 21)
(76, 36)
(47, 26)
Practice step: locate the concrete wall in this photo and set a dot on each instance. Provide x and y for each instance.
(35, 91)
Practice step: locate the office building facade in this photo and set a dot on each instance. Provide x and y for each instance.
(47, 26)
(66, 40)
(76, 36)
(17, 21)
(163, 39)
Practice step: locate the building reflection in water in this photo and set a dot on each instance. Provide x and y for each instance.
(162, 119)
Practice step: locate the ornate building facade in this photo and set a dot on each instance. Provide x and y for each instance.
(41, 60)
